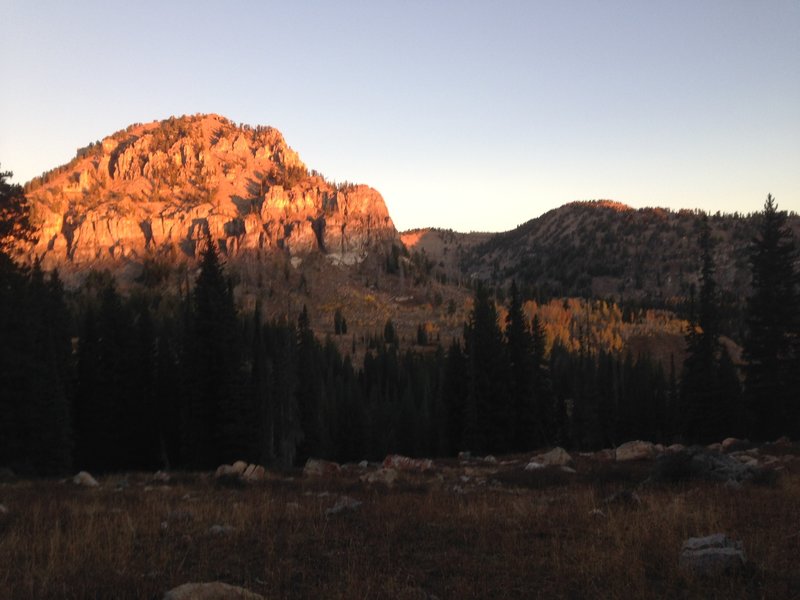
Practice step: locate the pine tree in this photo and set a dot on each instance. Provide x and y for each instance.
(773, 322)
(519, 348)
(708, 411)
(213, 421)
(488, 422)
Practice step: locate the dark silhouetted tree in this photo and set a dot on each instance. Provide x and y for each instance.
(773, 329)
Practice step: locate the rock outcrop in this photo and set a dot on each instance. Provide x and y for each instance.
(163, 187)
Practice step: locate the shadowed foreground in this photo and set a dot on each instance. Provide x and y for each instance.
(461, 530)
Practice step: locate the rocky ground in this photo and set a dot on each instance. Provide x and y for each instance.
(630, 522)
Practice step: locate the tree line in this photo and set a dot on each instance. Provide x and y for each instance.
(143, 382)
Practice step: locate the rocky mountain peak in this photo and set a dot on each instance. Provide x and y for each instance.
(160, 187)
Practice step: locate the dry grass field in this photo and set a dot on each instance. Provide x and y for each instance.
(461, 530)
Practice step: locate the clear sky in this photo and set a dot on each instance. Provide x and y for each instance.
(469, 115)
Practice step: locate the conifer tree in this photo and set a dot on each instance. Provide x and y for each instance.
(488, 422)
(213, 422)
(519, 347)
(708, 412)
(773, 322)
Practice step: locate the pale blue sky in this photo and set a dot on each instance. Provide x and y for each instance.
(469, 115)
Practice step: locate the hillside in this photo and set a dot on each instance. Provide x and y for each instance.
(603, 249)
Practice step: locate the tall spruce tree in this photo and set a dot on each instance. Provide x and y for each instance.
(773, 329)
(519, 348)
(708, 410)
(212, 420)
(489, 414)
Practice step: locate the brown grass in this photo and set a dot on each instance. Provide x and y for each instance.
(503, 533)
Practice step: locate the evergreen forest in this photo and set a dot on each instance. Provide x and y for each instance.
(94, 379)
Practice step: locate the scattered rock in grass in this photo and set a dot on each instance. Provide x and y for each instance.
(566, 469)
(225, 472)
(732, 444)
(161, 477)
(254, 473)
(605, 455)
(623, 497)
(344, 503)
(84, 479)
(534, 466)
(635, 450)
(405, 463)
(700, 463)
(384, 476)
(712, 555)
(674, 448)
(210, 591)
(221, 530)
(363, 464)
(557, 457)
(490, 459)
(464, 455)
(717, 448)
(316, 467)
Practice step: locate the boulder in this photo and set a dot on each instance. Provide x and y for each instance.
(239, 467)
(557, 457)
(605, 455)
(344, 503)
(316, 467)
(161, 477)
(221, 530)
(534, 466)
(404, 463)
(635, 450)
(254, 473)
(675, 448)
(732, 444)
(698, 462)
(84, 479)
(714, 448)
(225, 472)
(712, 555)
(384, 476)
(210, 591)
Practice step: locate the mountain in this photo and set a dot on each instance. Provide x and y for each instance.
(603, 249)
(156, 189)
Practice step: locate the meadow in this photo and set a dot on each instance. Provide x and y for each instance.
(463, 529)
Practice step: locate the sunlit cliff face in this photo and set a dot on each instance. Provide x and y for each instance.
(163, 186)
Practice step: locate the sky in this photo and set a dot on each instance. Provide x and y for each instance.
(475, 116)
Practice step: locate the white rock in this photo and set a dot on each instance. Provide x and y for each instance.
(344, 503)
(712, 555)
(384, 476)
(84, 479)
(254, 473)
(316, 467)
(534, 466)
(557, 457)
(221, 530)
(211, 591)
(225, 471)
(635, 450)
(161, 477)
